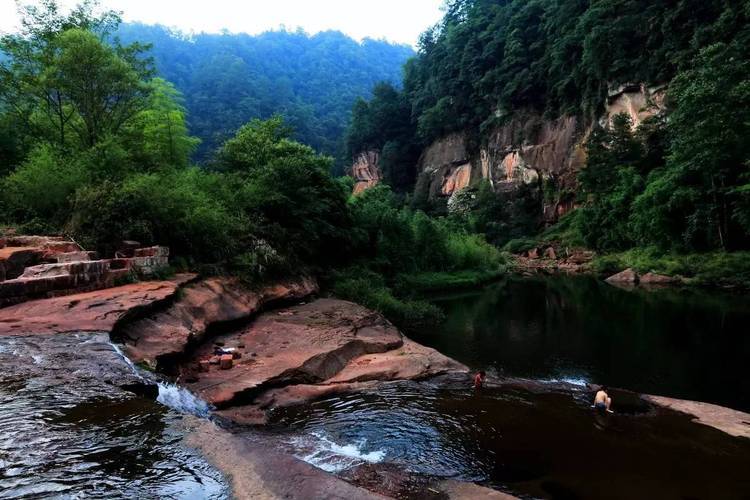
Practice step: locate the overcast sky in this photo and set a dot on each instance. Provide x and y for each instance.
(395, 20)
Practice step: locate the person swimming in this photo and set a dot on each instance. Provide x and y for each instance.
(479, 379)
(602, 401)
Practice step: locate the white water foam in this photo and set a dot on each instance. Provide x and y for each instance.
(577, 381)
(180, 399)
(322, 452)
(127, 360)
(171, 395)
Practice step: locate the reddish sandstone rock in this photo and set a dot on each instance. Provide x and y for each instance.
(90, 311)
(657, 279)
(733, 422)
(13, 260)
(312, 344)
(311, 350)
(549, 253)
(627, 277)
(208, 302)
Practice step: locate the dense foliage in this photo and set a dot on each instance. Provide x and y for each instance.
(489, 58)
(676, 183)
(311, 80)
(98, 148)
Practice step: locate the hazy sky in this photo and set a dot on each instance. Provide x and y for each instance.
(396, 20)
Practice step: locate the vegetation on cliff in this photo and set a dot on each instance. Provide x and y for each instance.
(676, 184)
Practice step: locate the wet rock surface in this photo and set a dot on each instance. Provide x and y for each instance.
(733, 422)
(70, 426)
(259, 471)
(213, 302)
(306, 351)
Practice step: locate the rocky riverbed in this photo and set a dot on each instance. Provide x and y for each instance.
(285, 349)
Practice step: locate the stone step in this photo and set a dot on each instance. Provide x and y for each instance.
(90, 268)
(76, 256)
(13, 260)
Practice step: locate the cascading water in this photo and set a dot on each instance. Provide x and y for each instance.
(170, 395)
(67, 430)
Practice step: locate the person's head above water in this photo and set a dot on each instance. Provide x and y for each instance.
(482, 373)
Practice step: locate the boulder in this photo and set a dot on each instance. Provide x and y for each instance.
(201, 305)
(628, 277)
(533, 253)
(549, 253)
(310, 350)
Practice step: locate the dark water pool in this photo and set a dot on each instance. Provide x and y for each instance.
(680, 343)
(548, 445)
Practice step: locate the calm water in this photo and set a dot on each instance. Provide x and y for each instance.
(679, 343)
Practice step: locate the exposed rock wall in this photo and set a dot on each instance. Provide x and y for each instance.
(638, 101)
(530, 149)
(366, 171)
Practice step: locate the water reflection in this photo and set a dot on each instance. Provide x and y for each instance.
(682, 343)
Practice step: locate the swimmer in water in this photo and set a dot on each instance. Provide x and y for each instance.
(602, 401)
(479, 379)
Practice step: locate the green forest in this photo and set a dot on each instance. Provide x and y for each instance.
(678, 184)
(226, 147)
(310, 80)
(96, 145)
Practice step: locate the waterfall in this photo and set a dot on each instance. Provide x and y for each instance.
(170, 395)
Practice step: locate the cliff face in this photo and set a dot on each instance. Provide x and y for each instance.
(366, 171)
(531, 150)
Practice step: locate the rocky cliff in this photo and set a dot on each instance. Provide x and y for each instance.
(366, 171)
(528, 149)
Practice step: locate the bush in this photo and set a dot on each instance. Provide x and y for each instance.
(42, 187)
(707, 269)
(182, 209)
(369, 289)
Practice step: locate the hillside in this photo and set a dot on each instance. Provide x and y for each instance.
(515, 112)
(227, 79)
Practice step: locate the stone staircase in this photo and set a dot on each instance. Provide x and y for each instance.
(33, 267)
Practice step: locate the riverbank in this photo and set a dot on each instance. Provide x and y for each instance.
(288, 351)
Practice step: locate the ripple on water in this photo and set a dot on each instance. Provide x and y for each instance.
(548, 444)
(66, 432)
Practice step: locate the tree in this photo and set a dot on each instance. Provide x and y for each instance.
(159, 134)
(59, 76)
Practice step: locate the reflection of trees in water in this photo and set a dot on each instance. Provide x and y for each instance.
(683, 343)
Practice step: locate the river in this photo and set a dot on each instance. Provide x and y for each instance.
(68, 431)
(561, 333)
(683, 343)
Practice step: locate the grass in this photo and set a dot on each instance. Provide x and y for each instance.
(369, 289)
(444, 281)
(726, 269)
(564, 233)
